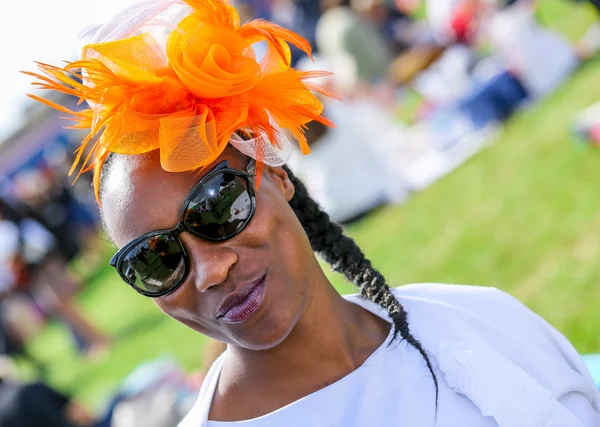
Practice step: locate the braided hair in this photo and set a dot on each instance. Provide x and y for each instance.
(344, 256)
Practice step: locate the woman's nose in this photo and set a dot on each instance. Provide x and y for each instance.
(210, 262)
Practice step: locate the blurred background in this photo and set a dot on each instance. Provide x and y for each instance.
(466, 152)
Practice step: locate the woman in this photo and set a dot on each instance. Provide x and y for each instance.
(188, 174)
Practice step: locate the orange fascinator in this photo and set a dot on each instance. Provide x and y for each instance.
(181, 77)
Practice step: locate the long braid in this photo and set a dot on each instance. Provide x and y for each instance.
(343, 254)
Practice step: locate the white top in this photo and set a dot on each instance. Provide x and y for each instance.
(498, 364)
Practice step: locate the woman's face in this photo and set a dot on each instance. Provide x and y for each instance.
(138, 196)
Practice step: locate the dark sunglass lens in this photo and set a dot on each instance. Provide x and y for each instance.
(155, 265)
(220, 207)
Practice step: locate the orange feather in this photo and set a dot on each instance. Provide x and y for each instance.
(186, 98)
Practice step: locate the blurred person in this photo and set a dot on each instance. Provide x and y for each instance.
(81, 214)
(12, 272)
(517, 41)
(24, 245)
(342, 31)
(393, 23)
(449, 78)
(411, 43)
(522, 45)
(230, 251)
(386, 46)
(410, 64)
(521, 70)
(39, 190)
(439, 15)
(495, 100)
(37, 405)
(38, 272)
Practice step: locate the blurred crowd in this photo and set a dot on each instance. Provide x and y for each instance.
(426, 84)
(421, 94)
(45, 225)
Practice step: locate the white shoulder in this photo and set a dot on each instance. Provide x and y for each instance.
(488, 310)
(460, 295)
(486, 307)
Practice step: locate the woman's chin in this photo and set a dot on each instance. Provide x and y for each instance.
(271, 325)
(265, 334)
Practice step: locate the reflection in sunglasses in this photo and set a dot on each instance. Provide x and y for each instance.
(230, 203)
(240, 208)
(157, 263)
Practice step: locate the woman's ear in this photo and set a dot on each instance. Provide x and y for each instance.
(282, 181)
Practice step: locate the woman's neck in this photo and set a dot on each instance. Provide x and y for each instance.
(332, 338)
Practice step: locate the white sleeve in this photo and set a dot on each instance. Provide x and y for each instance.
(583, 402)
(505, 358)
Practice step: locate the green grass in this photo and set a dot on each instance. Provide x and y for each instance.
(523, 215)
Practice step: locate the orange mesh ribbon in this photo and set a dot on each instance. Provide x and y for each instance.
(186, 97)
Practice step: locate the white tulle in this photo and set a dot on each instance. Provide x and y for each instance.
(156, 17)
(159, 18)
(269, 154)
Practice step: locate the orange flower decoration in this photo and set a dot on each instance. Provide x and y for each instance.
(188, 96)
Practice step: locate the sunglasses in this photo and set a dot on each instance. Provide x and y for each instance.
(218, 208)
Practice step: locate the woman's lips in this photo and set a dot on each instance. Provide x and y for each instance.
(244, 303)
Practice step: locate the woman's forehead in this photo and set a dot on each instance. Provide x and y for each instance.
(139, 196)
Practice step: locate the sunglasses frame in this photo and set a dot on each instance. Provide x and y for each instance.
(223, 167)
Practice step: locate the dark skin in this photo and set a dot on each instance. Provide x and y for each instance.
(303, 337)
